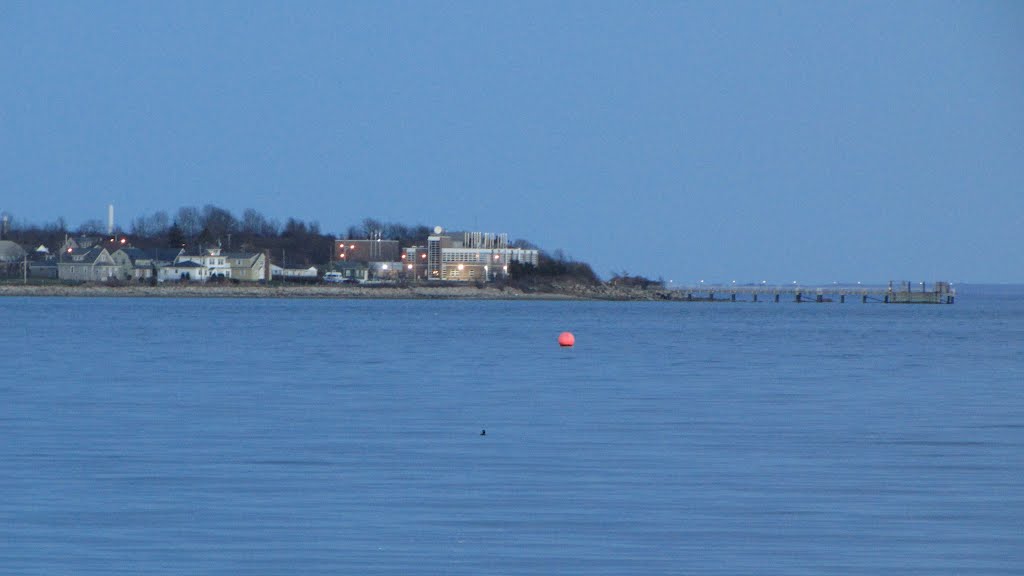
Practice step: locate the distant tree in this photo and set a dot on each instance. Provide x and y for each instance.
(524, 244)
(92, 226)
(57, 226)
(625, 279)
(295, 229)
(255, 224)
(158, 223)
(175, 237)
(550, 269)
(205, 238)
(394, 231)
(370, 226)
(217, 222)
(190, 221)
(150, 226)
(419, 235)
(139, 227)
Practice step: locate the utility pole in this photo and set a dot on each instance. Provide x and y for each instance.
(24, 279)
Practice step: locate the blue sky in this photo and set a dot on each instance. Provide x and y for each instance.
(809, 141)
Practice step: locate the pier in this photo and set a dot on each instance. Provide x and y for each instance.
(894, 293)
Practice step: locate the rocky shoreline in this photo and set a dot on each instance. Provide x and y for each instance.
(412, 292)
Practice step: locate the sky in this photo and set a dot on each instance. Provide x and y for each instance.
(717, 141)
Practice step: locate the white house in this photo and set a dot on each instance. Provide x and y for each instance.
(186, 270)
(197, 267)
(293, 273)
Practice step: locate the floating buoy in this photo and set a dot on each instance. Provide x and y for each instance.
(566, 339)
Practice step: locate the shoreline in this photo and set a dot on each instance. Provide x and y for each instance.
(333, 292)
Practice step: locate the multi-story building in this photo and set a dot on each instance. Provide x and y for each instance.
(477, 256)
(414, 262)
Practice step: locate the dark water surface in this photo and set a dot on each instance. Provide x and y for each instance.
(151, 436)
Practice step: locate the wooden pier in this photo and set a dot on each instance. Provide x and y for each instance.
(894, 293)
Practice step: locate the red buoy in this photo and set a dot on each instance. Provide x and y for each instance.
(566, 339)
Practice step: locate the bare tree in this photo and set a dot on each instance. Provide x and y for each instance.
(159, 222)
(139, 227)
(92, 226)
(217, 222)
(370, 226)
(189, 221)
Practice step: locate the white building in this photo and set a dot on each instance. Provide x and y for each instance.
(278, 272)
(477, 256)
(196, 267)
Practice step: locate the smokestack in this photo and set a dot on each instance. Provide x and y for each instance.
(110, 219)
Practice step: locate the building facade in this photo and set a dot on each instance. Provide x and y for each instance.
(93, 264)
(247, 266)
(374, 250)
(196, 267)
(476, 256)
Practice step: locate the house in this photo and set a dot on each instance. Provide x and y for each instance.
(247, 266)
(93, 264)
(352, 271)
(209, 264)
(185, 270)
(44, 268)
(136, 263)
(80, 243)
(293, 274)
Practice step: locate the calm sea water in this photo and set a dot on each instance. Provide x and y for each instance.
(152, 436)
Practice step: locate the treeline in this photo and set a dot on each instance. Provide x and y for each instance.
(551, 268)
(293, 243)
